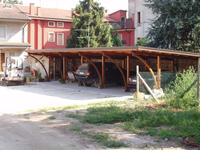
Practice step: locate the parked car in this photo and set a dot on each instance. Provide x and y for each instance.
(86, 74)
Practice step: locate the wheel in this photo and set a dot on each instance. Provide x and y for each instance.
(96, 84)
(80, 83)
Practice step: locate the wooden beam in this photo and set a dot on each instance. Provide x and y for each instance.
(128, 68)
(103, 71)
(198, 83)
(54, 68)
(64, 68)
(82, 60)
(158, 73)
(50, 62)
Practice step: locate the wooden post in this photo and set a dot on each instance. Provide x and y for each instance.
(103, 71)
(82, 61)
(198, 83)
(64, 68)
(158, 73)
(137, 82)
(128, 68)
(54, 68)
(50, 63)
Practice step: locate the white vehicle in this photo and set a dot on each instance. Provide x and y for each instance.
(13, 71)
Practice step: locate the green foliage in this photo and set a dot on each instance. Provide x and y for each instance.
(106, 140)
(182, 93)
(116, 40)
(89, 30)
(13, 1)
(143, 42)
(176, 24)
(111, 115)
(162, 122)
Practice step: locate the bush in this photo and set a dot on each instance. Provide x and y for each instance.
(143, 42)
(182, 93)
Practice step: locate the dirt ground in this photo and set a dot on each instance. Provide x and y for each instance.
(58, 126)
(53, 130)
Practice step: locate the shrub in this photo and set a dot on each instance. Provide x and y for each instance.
(182, 93)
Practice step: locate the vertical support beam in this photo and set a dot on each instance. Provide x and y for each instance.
(158, 73)
(103, 71)
(82, 61)
(127, 68)
(137, 82)
(64, 68)
(198, 82)
(54, 68)
(50, 63)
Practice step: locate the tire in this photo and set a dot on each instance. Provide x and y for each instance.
(80, 83)
(96, 84)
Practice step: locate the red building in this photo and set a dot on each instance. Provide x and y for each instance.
(124, 26)
(49, 27)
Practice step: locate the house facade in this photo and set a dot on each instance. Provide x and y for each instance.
(124, 26)
(12, 38)
(143, 17)
(49, 27)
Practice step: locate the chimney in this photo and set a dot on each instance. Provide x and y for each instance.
(32, 9)
(38, 11)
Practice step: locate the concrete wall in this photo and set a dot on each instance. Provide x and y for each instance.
(142, 29)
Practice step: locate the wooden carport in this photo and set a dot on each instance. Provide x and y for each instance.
(121, 53)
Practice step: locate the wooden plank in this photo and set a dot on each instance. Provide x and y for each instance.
(137, 82)
(158, 73)
(103, 71)
(148, 88)
(2, 60)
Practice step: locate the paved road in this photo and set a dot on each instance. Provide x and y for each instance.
(19, 134)
(52, 94)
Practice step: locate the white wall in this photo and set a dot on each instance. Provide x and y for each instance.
(34, 64)
(142, 29)
(14, 31)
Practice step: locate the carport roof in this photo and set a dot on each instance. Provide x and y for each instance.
(115, 51)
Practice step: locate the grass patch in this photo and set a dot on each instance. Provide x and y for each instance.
(76, 128)
(106, 140)
(162, 122)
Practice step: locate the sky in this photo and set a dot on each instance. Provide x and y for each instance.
(110, 5)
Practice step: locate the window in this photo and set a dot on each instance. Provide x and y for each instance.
(60, 39)
(2, 32)
(51, 24)
(60, 24)
(139, 17)
(51, 37)
(123, 22)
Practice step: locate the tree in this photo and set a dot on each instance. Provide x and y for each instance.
(12, 1)
(89, 29)
(176, 25)
(116, 39)
(143, 42)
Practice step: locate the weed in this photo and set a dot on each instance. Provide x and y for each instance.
(106, 140)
